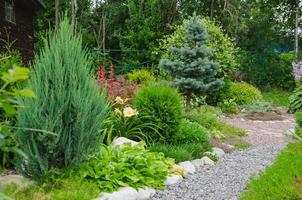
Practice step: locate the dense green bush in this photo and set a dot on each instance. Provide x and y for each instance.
(140, 76)
(8, 60)
(242, 93)
(191, 132)
(115, 167)
(223, 47)
(67, 104)
(269, 70)
(295, 100)
(164, 107)
(207, 117)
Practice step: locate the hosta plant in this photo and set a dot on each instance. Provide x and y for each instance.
(113, 167)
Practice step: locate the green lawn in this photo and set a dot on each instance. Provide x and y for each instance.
(278, 98)
(281, 181)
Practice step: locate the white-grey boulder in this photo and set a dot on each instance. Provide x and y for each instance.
(122, 140)
(218, 152)
(188, 167)
(145, 193)
(124, 193)
(207, 161)
(198, 163)
(173, 179)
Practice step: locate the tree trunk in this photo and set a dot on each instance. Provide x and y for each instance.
(57, 11)
(296, 33)
(212, 10)
(188, 102)
(74, 9)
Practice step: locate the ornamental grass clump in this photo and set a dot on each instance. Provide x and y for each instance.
(68, 104)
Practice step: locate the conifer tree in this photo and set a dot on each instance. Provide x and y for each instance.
(194, 71)
(68, 104)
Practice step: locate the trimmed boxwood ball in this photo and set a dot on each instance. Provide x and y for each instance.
(164, 107)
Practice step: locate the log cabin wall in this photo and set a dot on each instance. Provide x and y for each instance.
(22, 31)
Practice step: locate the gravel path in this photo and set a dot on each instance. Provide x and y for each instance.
(228, 178)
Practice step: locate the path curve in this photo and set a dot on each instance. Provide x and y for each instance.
(228, 178)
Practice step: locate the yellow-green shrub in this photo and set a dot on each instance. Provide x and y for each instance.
(242, 93)
(140, 76)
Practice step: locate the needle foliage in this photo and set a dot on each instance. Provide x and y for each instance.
(67, 104)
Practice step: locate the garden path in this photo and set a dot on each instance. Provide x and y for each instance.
(228, 178)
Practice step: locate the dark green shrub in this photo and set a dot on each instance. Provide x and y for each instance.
(191, 132)
(295, 100)
(140, 76)
(163, 105)
(269, 69)
(68, 104)
(242, 93)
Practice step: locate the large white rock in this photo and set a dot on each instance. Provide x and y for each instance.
(173, 179)
(207, 161)
(218, 152)
(145, 193)
(124, 193)
(198, 163)
(188, 167)
(122, 140)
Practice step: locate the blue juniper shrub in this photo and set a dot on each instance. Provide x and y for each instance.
(68, 104)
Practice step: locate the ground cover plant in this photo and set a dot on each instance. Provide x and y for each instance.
(67, 104)
(277, 98)
(280, 181)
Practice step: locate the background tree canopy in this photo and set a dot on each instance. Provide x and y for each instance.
(247, 35)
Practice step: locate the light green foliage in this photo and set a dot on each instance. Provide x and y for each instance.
(191, 132)
(68, 104)
(228, 106)
(295, 100)
(258, 107)
(207, 117)
(242, 93)
(115, 167)
(224, 50)
(280, 181)
(278, 98)
(163, 106)
(8, 106)
(180, 152)
(71, 187)
(140, 76)
(189, 142)
(298, 118)
(192, 65)
(8, 60)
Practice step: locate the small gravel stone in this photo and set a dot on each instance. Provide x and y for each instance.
(225, 180)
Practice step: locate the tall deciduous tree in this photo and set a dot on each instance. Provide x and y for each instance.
(194, 71)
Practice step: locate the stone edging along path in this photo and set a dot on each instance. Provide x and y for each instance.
(203, 179)
(228, 178)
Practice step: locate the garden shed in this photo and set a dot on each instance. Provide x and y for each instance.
(17, 24)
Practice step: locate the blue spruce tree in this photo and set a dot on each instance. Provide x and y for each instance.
(193, 69)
